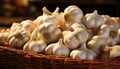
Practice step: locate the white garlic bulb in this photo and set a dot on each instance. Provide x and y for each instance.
(104, 30)
(60, 49)
(109, 32)
(81, 35)
(57, 49)
(48, 17)
(78, 26)
(49, 48)
(15, 27)
(19, 38)
(4, 38)
(93, 20)
(37, 46)
(49, 32)
(70, 40)
(28, 25)
(83, 53)
(73, 39)
(73, 14)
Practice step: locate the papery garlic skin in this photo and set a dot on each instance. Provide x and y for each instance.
(93, 20)
(49, 32)
(37, 46)
(83, 53)
(60, 49)
(73, 14)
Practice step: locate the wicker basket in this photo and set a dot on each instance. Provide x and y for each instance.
(11, 58)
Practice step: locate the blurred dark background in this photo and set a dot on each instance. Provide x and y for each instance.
(32, 8)
(107, 7)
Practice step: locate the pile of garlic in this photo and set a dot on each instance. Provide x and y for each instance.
(69, 33)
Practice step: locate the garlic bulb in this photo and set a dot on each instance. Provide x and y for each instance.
(116, 23)
(93, 20)
(109, 32)
(48, 17)
(26, 45)
(37, 46)
(73, 14)
(49, 48)
(114, 38)
(28, 25)
(49, 32)
(15, 27)
(19, 38)
(57, 49)
(97, 43)
(81, 35)
(60, 49)
(113, 51)
(78, 26)
(73, 39)
(83, 53)
(104, 30)
(70, 40)
(4, 37)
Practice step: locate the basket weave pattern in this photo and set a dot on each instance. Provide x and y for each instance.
(11, 58)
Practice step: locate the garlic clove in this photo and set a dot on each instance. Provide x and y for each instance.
(90, 54)
(26, 46)
(77, 54)
(49, 48)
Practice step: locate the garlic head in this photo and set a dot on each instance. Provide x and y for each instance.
(73, 14)
(37, 46)
(60, 49)
(93, 20)
(49, 32)
(19, 38)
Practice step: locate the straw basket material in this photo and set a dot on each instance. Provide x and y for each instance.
(11, 58)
